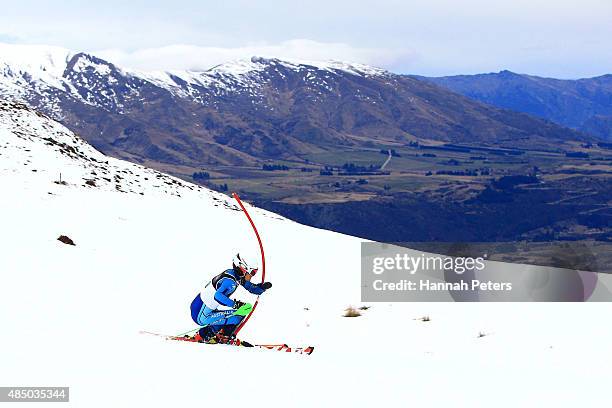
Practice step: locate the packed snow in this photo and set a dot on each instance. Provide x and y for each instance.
(147, 242)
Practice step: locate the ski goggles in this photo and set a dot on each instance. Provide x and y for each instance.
(250, 271)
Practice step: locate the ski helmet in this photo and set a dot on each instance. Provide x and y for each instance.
(241, 266)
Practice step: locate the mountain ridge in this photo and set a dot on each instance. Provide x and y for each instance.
(265, 108)
(584, 104)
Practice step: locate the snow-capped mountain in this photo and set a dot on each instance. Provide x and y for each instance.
(32, 65)
(246, 76)
(26, 71)
(245, 111)
(147, 242)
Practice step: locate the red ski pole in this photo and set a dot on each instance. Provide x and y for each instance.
(263, 260)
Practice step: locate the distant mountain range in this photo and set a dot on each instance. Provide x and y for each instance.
(584, 104)
(247, 111)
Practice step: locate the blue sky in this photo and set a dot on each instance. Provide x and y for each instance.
(566, 39)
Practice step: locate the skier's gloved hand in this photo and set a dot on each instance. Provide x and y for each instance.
(238, 304)
(265, 285)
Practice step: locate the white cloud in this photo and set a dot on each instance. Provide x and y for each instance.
(559, 38)
(198, 58)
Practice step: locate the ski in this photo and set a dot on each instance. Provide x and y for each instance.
(191, 339)
(283, 347)
(239, 343)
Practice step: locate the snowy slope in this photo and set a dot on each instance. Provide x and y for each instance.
(146, 242)
(240, 75)
(38, 64)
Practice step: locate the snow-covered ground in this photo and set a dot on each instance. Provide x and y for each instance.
(146, 243)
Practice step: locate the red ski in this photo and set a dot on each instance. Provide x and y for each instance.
(283, 347)
(239, 343)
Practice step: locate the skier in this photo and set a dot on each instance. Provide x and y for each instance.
(215, 311)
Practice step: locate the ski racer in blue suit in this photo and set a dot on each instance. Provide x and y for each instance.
(215, 311)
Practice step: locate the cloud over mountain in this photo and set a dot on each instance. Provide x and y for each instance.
(199, 58)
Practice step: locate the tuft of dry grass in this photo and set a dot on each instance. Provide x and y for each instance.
(351, 312)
